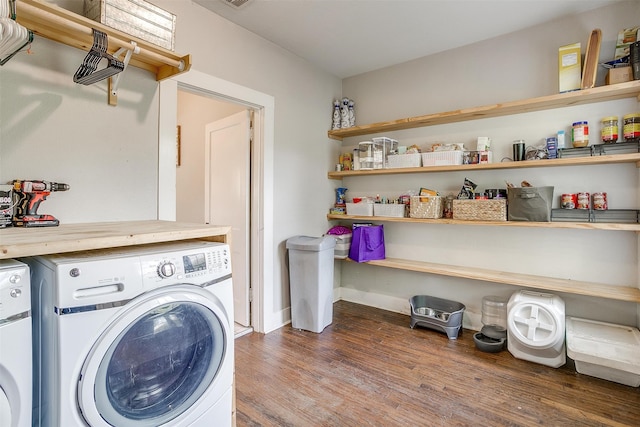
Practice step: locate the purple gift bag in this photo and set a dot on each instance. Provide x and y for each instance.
(367, 243)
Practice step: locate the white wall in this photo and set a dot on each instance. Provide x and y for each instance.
(54, 129)
(518, 66)
(194, 113)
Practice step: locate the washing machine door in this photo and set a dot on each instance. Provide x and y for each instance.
(155, 360)
(534, 325)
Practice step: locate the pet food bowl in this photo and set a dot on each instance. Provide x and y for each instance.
(437, 313)
(491, 339)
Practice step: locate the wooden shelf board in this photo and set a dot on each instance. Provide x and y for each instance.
(573, 161)
(622, 293)
(20, 242)
(556, 224)
(60, 25)
(585, 96)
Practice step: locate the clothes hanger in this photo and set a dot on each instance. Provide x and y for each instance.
(88, 72)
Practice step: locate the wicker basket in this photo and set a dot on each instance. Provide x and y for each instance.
(413, 160)
(426, 207)
(480, 210)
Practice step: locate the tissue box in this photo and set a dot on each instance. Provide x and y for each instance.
(137, 18)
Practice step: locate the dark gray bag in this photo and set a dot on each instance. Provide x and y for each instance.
(529, 204)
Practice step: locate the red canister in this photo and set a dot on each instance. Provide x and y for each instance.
(584, 200)
(569, 201)
(600, 201)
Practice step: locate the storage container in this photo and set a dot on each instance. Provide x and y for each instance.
(370, 155)
(530, 203)
(604, 350)
(442, 158)
(426, 207)
(394, 210)
(387, 146)
(343, 243)
(413, 160)
(137, 18)
(480, 210)
(360, 209)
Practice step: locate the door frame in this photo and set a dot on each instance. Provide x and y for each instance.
(263, 318)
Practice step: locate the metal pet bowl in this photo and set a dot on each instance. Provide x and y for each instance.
(437, 313)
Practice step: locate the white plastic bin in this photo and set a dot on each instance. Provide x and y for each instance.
(311, 281)
(605, 350)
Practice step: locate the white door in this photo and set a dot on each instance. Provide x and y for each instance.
(227, 183)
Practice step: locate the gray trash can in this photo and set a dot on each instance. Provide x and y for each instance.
(311, 281)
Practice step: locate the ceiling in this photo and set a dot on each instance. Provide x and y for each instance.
(350, 37)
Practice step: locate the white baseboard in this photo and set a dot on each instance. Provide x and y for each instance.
(384, 302)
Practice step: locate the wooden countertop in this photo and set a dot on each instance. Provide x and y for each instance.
(20, 242)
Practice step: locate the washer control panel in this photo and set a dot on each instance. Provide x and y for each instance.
(206, 263)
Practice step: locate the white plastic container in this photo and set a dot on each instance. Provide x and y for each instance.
(442, 158)
(604, 350)
(394, 210)
(360, 209)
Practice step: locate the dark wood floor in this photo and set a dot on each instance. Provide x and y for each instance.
(368, 368)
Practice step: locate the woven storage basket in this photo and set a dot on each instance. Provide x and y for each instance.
(413, 160)
(426, 207)
(480, 210)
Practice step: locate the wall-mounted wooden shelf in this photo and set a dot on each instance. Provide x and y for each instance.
(621, 293)
(556, 224)
(60, 25)
(574, 161)
(585, 96)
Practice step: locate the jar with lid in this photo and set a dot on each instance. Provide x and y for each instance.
(631, 128)
(609, 130)
(580, 134)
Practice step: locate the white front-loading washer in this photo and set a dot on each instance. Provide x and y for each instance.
(15, 344)
(536, 328)
(136, 336)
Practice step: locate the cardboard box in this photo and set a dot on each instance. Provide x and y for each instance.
(569, 67)
(618, 75)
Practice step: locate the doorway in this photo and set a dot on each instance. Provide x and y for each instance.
(213, 179)
(263, 318)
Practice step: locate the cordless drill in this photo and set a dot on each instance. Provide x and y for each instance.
(29, 195)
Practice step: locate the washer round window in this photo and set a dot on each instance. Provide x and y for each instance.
(160, 365)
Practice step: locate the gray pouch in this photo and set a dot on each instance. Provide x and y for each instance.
(529, 204)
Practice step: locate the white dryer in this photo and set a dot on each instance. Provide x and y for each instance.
(15, 344)
(536, 328)
(134, 337)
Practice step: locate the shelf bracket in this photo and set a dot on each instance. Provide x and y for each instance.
(115, 80)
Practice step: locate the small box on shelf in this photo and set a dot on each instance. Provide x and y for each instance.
(618, 75)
